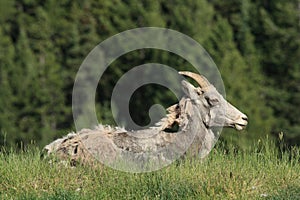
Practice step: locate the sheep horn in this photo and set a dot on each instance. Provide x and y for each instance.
(201, 80)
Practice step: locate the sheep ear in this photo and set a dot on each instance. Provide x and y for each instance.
(189, 89)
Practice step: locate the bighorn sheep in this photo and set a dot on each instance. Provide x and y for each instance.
(201, 109)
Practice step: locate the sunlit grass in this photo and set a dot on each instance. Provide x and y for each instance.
(262, 173)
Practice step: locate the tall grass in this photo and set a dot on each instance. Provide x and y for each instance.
(262, 173)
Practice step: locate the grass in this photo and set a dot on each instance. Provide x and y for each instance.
(262, 173)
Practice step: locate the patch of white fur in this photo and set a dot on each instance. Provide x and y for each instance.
(53, 146)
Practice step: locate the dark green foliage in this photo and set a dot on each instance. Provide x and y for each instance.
(255, 44)
(276, 28)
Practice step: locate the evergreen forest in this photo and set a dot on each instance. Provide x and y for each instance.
(254, 43)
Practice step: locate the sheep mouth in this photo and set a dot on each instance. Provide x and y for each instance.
(240, 127)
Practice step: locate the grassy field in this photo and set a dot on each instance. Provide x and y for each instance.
(262, 173)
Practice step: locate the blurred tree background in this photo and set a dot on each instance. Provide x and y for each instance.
(255, 44)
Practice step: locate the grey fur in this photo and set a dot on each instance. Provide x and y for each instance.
(200, 110)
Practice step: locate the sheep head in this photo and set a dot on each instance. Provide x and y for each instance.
(218, 111)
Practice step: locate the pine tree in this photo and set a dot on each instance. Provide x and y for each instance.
(275, 25)
(7, 117)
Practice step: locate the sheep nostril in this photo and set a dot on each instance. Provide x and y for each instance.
(245, 118)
